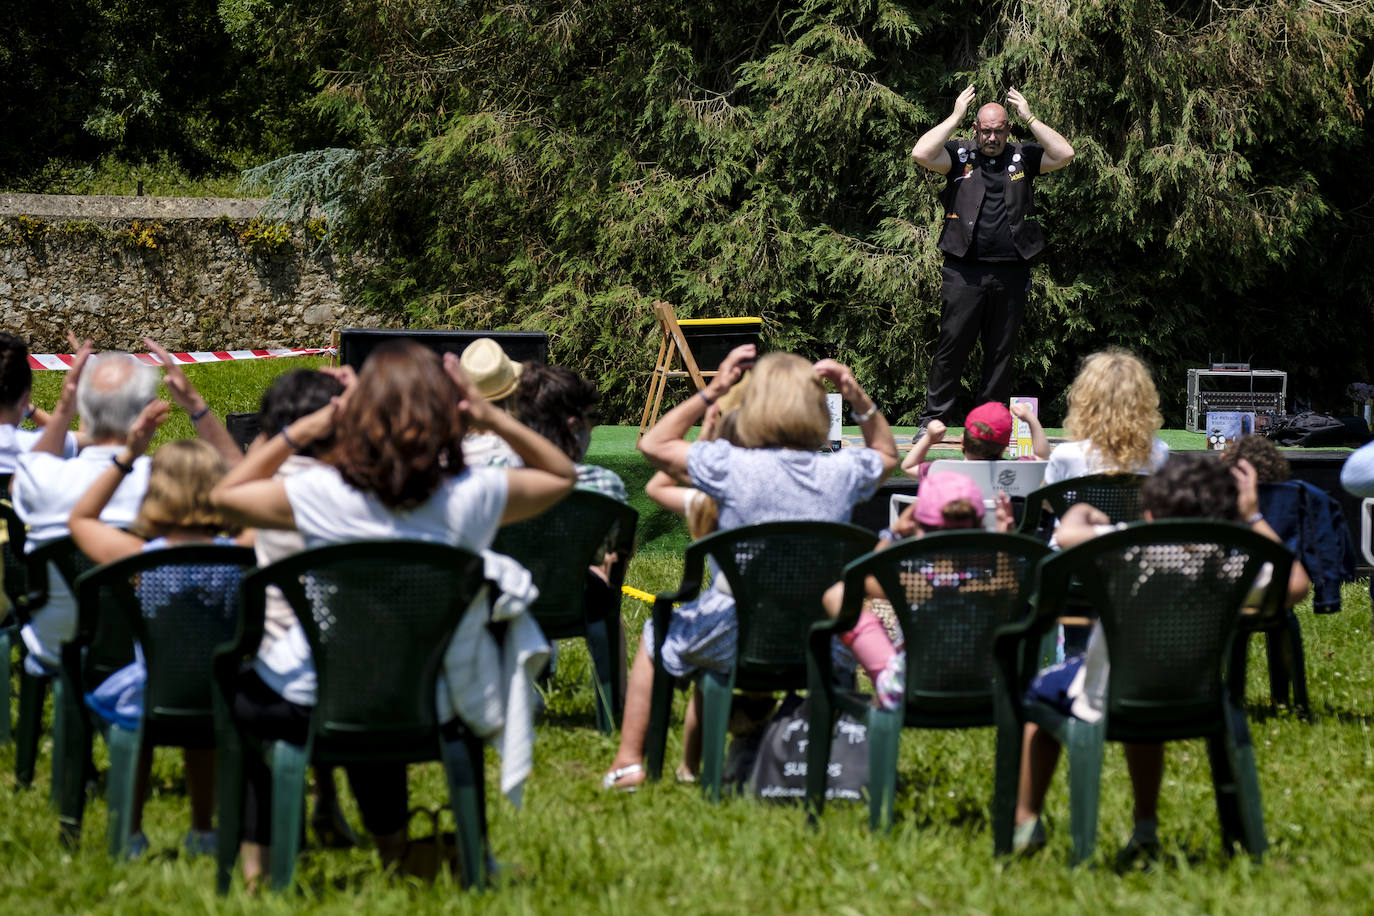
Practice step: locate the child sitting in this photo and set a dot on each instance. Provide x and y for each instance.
(1192, 487)
(946, 501)
(176, 510)
(987, 433)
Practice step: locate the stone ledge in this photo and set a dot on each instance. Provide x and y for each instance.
(74, 206)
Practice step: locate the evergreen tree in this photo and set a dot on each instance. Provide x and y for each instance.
(559, 165)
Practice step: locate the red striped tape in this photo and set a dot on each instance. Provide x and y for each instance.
(63, 361)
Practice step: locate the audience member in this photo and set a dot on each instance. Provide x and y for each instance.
(497, 377)
(396, 471)
(283, 662)
(775, 473)
(110, 390)
(1308, 520)
(16, 383)
(1113, 417)
(175, 510)
(1190, 486)
(560, 405)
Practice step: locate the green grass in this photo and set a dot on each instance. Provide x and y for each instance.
(579, 850)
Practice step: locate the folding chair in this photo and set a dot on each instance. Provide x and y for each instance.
(718, 335)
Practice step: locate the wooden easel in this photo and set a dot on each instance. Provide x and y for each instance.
(672, 342)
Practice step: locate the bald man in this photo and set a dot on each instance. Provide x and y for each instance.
(990, 237)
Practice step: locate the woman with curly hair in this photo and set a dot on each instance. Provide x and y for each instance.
(1113, 417)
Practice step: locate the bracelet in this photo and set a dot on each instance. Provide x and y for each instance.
(1257, 517)
(1032, 120)
(123, 468)
(29, 412)
(287, 440)
(887, 534)
(867, 415)
(706, 397)
(200, 414)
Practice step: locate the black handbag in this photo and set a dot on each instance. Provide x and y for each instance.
(779, 770)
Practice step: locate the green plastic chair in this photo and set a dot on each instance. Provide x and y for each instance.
(951, 592)
(1170, 596)
(70, 564)
(180, 604)
(557, 547)
(378, 616)
(778, 572)
(1118, 495)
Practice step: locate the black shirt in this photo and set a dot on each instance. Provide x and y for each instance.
(992, 233)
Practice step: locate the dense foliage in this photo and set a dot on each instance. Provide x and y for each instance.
(561, 164)
(153, 86)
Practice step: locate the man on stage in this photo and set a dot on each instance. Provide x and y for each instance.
(990, 237)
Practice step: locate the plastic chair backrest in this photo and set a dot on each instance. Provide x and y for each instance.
(951, 591)
(1015, 478)
(558, 546)
(1118, 495)
(378, 616)
(777, 572)
(1169, 595)
(181, 604)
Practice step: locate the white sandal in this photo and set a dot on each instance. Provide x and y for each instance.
(608, 782)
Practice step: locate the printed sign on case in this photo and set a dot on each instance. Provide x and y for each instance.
(1021, 445)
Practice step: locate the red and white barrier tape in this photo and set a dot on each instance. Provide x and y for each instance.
(63, 361)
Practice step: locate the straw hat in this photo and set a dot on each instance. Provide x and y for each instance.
(494, 373)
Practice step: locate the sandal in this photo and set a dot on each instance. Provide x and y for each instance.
(609, 782)
(684, 776)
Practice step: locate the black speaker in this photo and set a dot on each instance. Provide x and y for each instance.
(356, 344)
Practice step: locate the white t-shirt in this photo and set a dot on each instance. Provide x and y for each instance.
(1077, 459)
(45, 490)
(15, 441)
(465, 511)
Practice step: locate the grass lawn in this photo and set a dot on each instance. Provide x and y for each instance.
(575, 849)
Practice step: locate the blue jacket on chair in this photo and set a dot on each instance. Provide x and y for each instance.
(1312, 525)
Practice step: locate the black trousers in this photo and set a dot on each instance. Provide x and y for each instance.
(980, 301)
(380, 788)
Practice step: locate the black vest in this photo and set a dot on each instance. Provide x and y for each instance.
(962, 197)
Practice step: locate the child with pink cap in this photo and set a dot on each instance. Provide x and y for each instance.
(945, 501)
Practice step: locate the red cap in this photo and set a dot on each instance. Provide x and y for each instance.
(996, 417)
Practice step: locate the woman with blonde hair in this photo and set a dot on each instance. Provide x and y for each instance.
(775, 472)
(1113, 417)
(176, 510)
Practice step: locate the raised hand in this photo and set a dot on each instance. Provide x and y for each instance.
(737, 362)
(473, 406)
(964, 100)
(1018, 103)
(178, 385)
(1247, 488)
(839, 375)
(935, 431)
(140, 435)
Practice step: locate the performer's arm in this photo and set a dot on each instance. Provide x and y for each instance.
(930, 149)
(1058, 152)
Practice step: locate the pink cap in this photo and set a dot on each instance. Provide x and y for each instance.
(939, 490)
(996, 417)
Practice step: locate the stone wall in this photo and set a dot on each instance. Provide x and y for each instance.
(194, 273)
